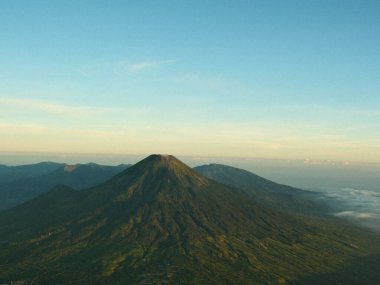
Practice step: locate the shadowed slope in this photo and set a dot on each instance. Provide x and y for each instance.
(77, 176)
(13, 173)
(271, 194)
(160, 221)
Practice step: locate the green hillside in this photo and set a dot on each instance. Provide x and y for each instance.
(160, 222)
(271, 194)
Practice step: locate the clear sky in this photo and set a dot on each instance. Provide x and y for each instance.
(272, 79)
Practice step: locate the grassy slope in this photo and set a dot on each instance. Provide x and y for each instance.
(159, 220)
(271, 194)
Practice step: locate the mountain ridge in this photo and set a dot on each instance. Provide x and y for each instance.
(78, 176)
(160, 221)
(269, 193)
(12, 173)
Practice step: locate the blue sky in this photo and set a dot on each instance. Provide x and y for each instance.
(271, 79)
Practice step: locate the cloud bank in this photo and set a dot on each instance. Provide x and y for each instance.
(358, 205)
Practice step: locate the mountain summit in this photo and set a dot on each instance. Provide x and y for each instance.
(158, 166)
(160, 222)
(158, 173)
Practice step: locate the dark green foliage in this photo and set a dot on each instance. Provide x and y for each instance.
(273, 195)
(79, 176)
(159, 221)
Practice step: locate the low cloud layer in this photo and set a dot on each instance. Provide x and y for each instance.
(358, 205)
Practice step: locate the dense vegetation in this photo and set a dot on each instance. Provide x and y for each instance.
(276, 196)
(79, 176)
(161, 222)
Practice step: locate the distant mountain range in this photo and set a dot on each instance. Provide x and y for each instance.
(161, 222)
(271, 194)
(33, 180)
(29, 181)
(12, 173)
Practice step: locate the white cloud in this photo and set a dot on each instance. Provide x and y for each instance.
(126, 67)
(52, 107)
(356, 215)
(24, 128)
(21, 104)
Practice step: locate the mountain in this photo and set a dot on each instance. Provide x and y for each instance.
(12, 173)
(77, 176)
(241, 178)
(160, 222)
(271, 194)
